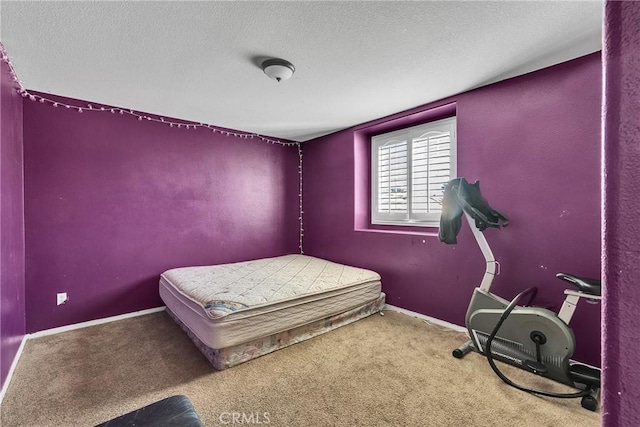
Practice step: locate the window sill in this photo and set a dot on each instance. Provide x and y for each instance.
(404, 231)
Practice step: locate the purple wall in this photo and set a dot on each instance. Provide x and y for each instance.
(534, 144)
(621, 182)
(12, 288)
(111, 202)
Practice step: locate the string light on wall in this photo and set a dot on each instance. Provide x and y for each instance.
(87, 107)
(300, 195)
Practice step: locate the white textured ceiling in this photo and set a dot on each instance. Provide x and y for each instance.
(355, 61)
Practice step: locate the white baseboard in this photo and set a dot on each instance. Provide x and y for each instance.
(425, 317)
(12, 368)
(94, 322)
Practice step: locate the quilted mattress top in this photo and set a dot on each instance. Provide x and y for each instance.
(223, 289)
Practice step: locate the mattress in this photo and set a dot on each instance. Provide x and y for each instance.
(230, 304)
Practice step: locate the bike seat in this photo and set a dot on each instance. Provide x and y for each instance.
(588, 286)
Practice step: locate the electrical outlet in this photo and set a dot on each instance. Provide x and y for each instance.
(61, 298)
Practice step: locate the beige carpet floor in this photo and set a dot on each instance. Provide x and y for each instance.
(392, 370)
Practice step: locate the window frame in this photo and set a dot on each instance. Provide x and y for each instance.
(410, 135)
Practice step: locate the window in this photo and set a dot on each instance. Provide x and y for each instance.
(410, 168)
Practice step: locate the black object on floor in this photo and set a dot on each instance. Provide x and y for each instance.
(174, 411)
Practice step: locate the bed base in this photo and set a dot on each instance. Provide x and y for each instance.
(224, 358)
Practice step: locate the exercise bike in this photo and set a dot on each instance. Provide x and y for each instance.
(531, 338)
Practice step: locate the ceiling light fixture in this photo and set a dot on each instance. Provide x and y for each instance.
(278, 69)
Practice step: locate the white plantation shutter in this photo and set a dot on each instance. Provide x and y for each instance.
(431, 171)
(392, 178)
(410, 169)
